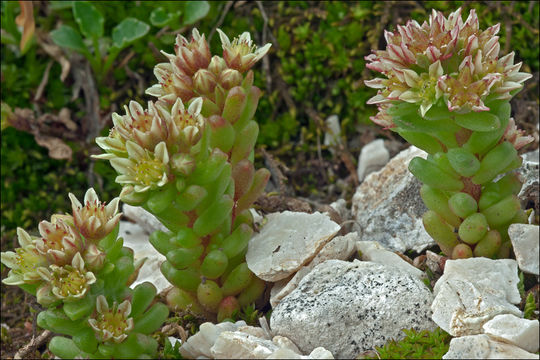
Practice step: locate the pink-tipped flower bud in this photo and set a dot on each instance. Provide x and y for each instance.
(93, 257)
(183, 164)
(230, 78)
(204, 82)
(191, 55)
(217, 65)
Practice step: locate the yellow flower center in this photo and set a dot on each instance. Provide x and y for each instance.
(112, 321)
(28, 260)
(70, 282)
(242, 47)
(53, 240)
(143, 122)
(426, 87)
(183, 120)
(148, 171)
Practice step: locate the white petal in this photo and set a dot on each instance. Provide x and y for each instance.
(377, 99)
(411, 77)
(121, 165)
(9, 258)
(135, 152)
(112, 207)
(23, 237)
(91, 197)
(125, 308)
(78, 262)
(161, 152)
(376, 83)
(436, 70)
(409, 96)
(101, 304)
(155, 90)
(195, 107)
(225, 42)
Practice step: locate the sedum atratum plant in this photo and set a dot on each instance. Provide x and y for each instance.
(80, 273)
(446, 90)
(187, 158)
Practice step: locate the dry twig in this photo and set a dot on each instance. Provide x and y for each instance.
(224, 12)
(44, 81)
(35, 343)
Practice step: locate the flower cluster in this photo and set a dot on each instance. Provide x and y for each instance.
(143, 141)
(444, 58)
(447, 91)
(61, 263)
(74, 268)
(187, 160)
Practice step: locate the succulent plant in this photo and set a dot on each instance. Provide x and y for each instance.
(447, 91)
(75, 269)
(188, 159)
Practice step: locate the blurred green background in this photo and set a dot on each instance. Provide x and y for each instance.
(82, 62)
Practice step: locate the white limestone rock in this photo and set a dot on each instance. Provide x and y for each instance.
(239, 345)
(288, 241)
(372, 158)
(530, 176)
(387, 206)
(340, 206)
(532, 156)
(473, 291)
(340, 248)
(240, 341)
(375, 252)
(496, 277)
(460, 308)
(514, 330)
(142, 217)
(525, 242)
(136, 238)
(482, 347)
(317, 353)
(350, 307)
(199, 345)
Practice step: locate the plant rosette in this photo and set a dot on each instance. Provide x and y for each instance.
(188, 159)
(80, 273)
(446, 90)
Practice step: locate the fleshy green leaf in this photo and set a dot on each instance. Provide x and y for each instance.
(129, 30)
(89, 19)
(478, 121)
(195, 11)
(67, 37)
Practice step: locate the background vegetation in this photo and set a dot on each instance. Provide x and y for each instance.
(82, 62)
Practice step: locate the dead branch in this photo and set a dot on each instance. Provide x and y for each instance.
(266, 60)
(224, 12)
(43, 82)
(35, 343)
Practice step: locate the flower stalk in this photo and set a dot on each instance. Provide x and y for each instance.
(446, 90)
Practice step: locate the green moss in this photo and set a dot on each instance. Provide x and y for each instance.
(416, 345)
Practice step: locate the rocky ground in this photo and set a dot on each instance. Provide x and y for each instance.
(347, 280)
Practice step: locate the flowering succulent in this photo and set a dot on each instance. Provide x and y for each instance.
(74, 270)
(112, 324)
(446, 90)
(24, 262)
(68, 283)
(188, 160)
(60, 241)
